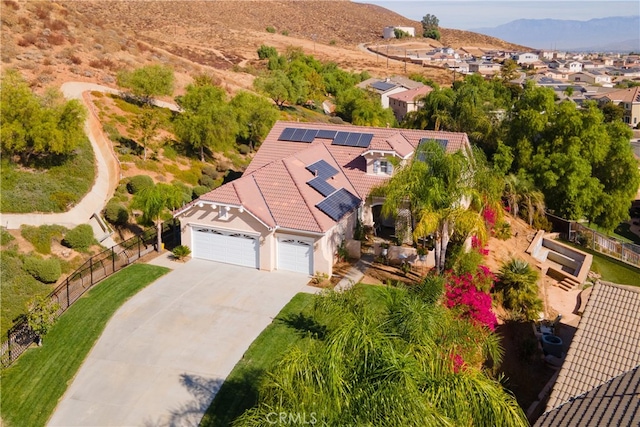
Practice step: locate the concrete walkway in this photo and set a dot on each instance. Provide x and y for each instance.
(107, 166)
(166, 352)
(355, 273)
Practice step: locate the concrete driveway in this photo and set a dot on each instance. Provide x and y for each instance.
(166, 352)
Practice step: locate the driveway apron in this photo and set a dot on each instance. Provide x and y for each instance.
(166, 352)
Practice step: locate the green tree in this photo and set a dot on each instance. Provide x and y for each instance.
(612, 112)
(277, 86)
(405, 362)
(266, 52)
(255, 117)
(430, 24)
(148, 82)
(152, 201)
(146, 125)
(41, 315)
(509, 70)
(518, 286)
(37, 127)
(433, 187)
(208, 121)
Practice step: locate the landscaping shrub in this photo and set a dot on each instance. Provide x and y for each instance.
(80, 238)
(518, 286)
(181, 251)
(41, 237)
(44, 270)
(138, 182)
(198, 191)
(5, 236)
(465, 296)
(243, 149)
(116, 213)
(207, 181)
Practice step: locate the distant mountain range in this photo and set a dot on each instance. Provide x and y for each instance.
(613, 34)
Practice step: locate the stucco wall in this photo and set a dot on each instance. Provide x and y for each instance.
(328, 245)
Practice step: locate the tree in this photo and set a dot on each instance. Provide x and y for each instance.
(612, 112)
(152, 201)
(207, 120)
(518, 286)
(405, 362)
(509, 70)
(41, 315)
(430, 24)
(146, 124)
(277, 86)
(433, 188)
(37, 127)
(254, 115)
(148, 82)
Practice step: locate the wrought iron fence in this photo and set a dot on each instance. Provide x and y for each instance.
(95, 269)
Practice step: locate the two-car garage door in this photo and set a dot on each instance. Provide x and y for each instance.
(226, 246)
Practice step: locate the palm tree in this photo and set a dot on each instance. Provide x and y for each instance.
(153, 200)
(518, 284)
(437, 188)
(401, 361)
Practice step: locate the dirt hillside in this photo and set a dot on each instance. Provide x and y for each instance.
(52, 42)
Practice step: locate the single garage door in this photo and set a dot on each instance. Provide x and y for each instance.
(226, 246)
(295, 255)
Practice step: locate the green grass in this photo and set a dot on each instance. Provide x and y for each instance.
(47, 190)
(611, 269)
(32, 387)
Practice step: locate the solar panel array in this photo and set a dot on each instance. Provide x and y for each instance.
(322, 169)
(339, 204)
(321, 186)
(421, 155)
(348, 139)
(383, 86)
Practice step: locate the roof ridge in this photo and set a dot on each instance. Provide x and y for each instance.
(300, 192)
(253, 177)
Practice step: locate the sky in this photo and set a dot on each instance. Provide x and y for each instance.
(471, 14)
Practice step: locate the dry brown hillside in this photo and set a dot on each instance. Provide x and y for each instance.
(51, 42)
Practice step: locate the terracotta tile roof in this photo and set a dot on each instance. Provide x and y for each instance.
(274, 187)
(411, 94)
(615, 403)
(624, 95)
(606, 343)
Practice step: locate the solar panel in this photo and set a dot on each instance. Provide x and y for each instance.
(365, 140)
(443, 143)
(309, 135)
(322, 169)
(298, 134)
(352, 140)
(286, 134)
(383, 86)
(340, 138)
(339, 204)
(321, 186)
(327, 134)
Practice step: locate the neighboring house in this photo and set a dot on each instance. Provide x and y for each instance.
(605, 346)
(389, 32)
(574, 66)
(629, 99)
(525, 58)
(301, 196)
(407, 101)
(484, 67)
(591, 77)
(389, 86)
(614, 403)
(556, 74)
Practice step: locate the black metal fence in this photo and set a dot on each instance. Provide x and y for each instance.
(95, 269)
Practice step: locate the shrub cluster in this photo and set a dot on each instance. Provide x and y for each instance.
(116, 213)
(41, 237)
(44, 270)
(80, 238)
(465, 293)
(139, 182)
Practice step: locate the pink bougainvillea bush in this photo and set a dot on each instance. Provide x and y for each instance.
(469, 293)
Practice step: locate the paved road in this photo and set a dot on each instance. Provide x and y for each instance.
(108, 168)
(167, 351)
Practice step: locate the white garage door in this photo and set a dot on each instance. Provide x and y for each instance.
(226, 246)
(295, 255)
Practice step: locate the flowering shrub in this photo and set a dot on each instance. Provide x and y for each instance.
(458, 362)
(490, 218)
(470, 294)
(478, 245)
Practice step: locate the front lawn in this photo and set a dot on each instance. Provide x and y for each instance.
(32, 387)
(47, 190)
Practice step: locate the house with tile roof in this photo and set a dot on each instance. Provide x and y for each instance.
(605, 346)
(629, 99)
(405, 102)
(614, 403)
(301, 196)
(386, 87)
